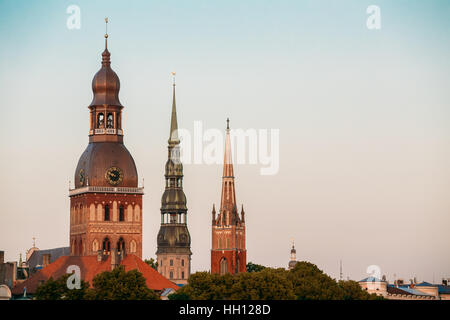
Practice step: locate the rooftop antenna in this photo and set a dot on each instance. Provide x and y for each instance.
(340, 270)
(34, 242)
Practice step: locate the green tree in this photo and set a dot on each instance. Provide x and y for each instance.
(58, 290)
(253, 267)
(353, 291)
(268, 284)
(152, 263)
(120, 285)
(310, 283)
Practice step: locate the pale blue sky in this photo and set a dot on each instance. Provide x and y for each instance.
(363, 118)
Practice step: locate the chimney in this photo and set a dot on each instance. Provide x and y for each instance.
(444, 281)
(114, 259)
(2, 257)
(46, 259)
(99, 255)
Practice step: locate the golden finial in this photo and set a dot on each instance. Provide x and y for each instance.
(173, 73)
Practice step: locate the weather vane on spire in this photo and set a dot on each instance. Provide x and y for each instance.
(173, 73)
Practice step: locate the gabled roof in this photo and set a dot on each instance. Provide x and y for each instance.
(90, 267)
(442, 289)
(371, 279)
(424, 284)
(36, 257)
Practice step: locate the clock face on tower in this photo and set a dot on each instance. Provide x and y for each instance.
(114, 175)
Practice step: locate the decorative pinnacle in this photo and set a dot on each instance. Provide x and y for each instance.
(228, 124)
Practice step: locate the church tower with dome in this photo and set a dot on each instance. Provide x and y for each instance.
(106, 203)
(174, 241)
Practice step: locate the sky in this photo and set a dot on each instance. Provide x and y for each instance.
(363, 119)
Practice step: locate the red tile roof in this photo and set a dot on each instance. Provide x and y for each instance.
(90, 267)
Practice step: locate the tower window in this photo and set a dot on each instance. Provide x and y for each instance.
(121, 214)
(110, 121)
(182, 274)
(121, 245)
(171, 274)
(182, 262)
(223, 266)
(100, 120)
(106, 245)
(106, 212)
(171, 262)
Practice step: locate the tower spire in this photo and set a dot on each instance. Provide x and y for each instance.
(228, 203)
(173, 139)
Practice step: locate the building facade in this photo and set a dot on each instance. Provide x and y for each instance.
(228, 250)
(174, 241)
(106, 203)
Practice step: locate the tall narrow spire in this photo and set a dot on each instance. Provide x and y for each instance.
(173, 138)
(228, 200)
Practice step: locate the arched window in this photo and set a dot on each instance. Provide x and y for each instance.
(95, 246)
(133, 246)
(171, 262)
(100, 120)
(182, 262)
(121, 214)
(110, 121)
(121, 245)
(106, 212)
(171, 274)
(182, 274)
(223, 266)
(106, 245)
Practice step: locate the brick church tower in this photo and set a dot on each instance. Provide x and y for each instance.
(174, 241)
(228, 253)
(106, 204)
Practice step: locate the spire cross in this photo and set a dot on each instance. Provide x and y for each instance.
(106, 33)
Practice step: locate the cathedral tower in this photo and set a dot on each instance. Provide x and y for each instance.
(228, 253)
(106, 204)
(174, 241)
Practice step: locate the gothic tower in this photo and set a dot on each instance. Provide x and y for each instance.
(228, 253)
(106, 204)
(174, 241)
